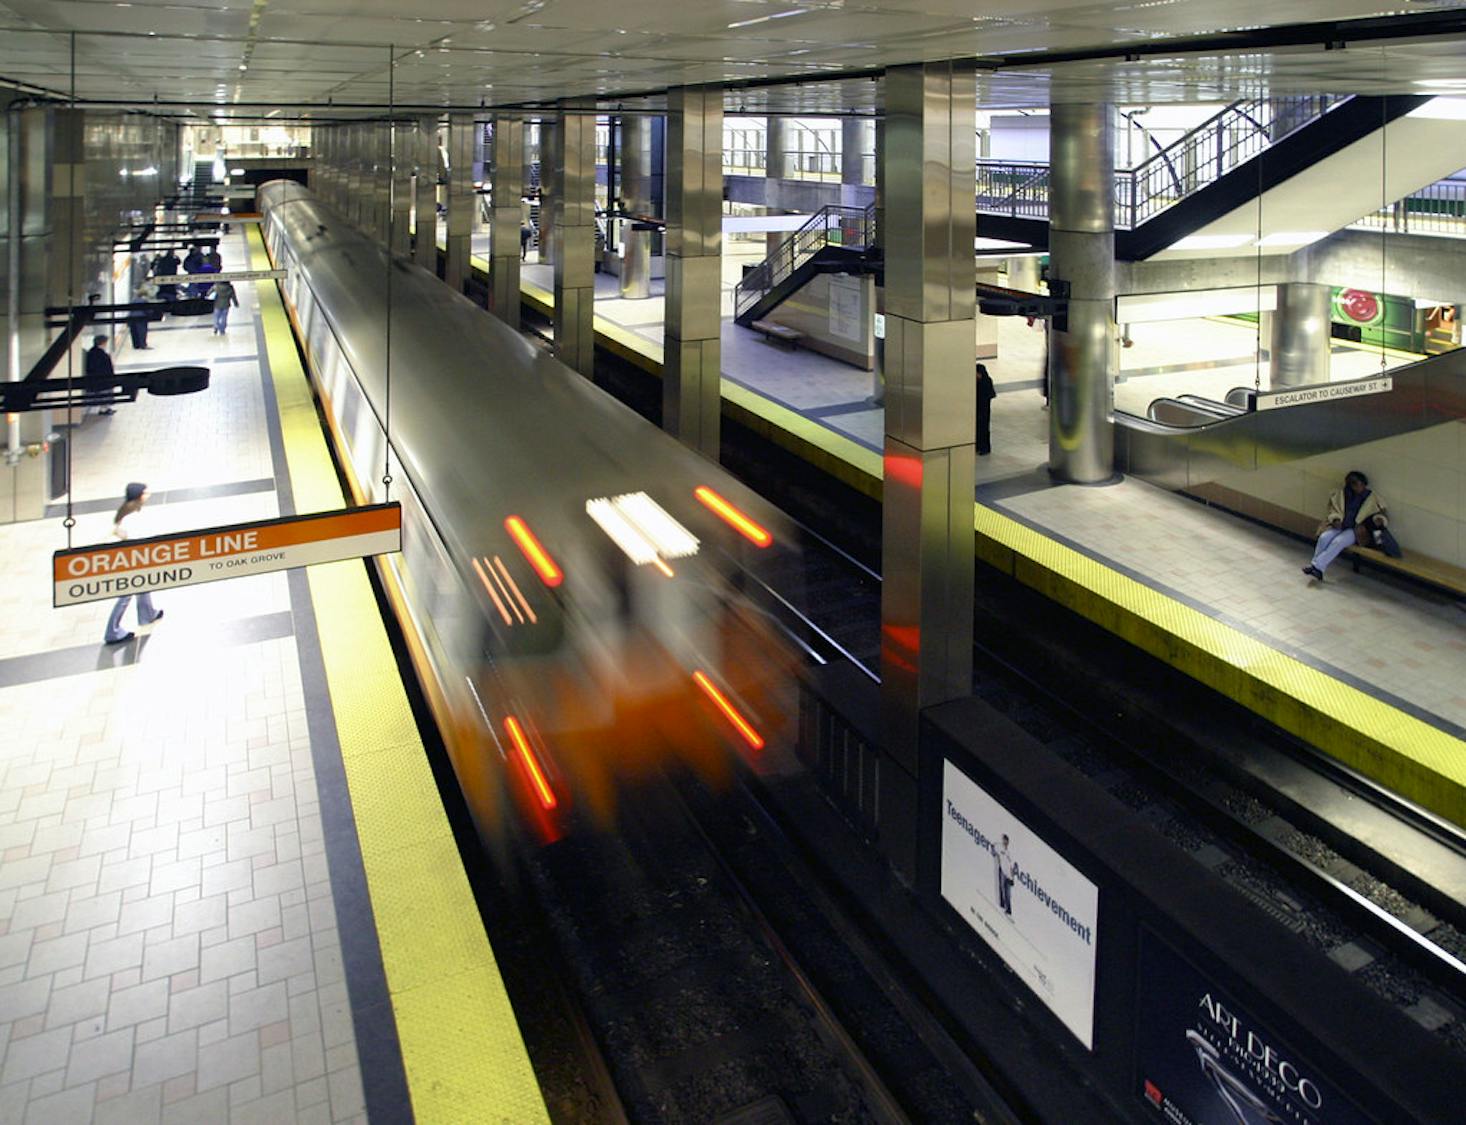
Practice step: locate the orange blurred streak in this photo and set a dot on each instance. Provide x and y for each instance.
(514, 589)
(538, 557)
(493, 593)
(536, 776)
(720, 701)
(663, 567)
(745, 526)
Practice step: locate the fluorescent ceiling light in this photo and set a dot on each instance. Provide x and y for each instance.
(765, 19)
(1211, 241)
(1291, 238)
(1441, 109)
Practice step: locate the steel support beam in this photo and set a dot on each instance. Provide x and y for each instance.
(692, 377)
(928, 153)
(573, 238)
(1084, 358)
(403, 138)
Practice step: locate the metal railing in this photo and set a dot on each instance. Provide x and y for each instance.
(798, 164)
(1439, 209)
(831, 225)
(1020, 189)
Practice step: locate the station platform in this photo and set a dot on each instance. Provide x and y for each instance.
(1360, 667)
(213, 838)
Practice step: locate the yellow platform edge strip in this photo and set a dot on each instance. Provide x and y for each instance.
(1380, 741)
(462, 1052)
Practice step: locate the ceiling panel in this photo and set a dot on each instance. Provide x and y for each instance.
(516, 51)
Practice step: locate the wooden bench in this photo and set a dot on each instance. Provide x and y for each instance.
(1444, 576)
(772, 331)
(1422, 568)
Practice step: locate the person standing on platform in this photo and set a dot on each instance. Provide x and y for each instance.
(223, 298)
(986, 392)
(137, 319)
(1356, 517)
(193, 263)
(166, 265)
(525, 234)
(133, 500)
(98, 364)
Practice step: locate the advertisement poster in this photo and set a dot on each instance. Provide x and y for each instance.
(845, 319)
(1022, 898)
(1202, 1060)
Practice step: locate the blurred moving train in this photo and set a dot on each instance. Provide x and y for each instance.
(569, 582)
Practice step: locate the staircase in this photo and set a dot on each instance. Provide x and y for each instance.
(1250, 148)
(1203, 156)
(203, 191)
(835, 239)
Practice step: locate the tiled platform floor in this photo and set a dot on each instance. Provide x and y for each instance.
(1393, 640)
(168, 941)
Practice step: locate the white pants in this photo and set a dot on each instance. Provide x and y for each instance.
(1331, 544)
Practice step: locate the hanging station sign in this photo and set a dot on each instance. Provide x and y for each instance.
(1324, 392)
(162, 562)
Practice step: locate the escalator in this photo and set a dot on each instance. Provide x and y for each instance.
(1188, 442)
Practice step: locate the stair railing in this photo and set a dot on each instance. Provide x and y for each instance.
(831, 225)
(1020, 189)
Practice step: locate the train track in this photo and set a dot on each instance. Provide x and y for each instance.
(1251, 804)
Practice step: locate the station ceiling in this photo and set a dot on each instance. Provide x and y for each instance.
(340, 58)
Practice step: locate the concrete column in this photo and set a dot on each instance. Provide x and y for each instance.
(636, 192)
(985, 337)
(1084, 357)
(1301, 337)
(425, 196)
(692, 376)
(776, 147)
(461, 200)
(507, 189)
(27, 260)
(857, 142)
(574, 238)
(1023, 274)
(402, 136)
(931, 401)
(549, 161)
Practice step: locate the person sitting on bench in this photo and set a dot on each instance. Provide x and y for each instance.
(1356, 517)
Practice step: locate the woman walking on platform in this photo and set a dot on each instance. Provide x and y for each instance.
(136, 497)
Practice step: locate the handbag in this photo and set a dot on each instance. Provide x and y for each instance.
(1389, 544)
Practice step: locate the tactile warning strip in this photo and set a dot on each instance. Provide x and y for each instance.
(461, 1049)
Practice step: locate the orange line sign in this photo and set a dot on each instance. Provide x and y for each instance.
(88, 574)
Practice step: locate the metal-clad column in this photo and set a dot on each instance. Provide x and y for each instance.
(636, 194)
(574, 237)
(930, 459)
(425, 195)
(776, 147)
(507, 187)
(460, 199)
(549, 163)
(379, 180)
(403, 139)
(355, 176)
(1083, 358)
(1301, 338)
(857, 140)
(692, 375)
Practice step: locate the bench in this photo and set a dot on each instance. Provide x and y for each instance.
(772, 331)
(1443, 576)
(1422, 568)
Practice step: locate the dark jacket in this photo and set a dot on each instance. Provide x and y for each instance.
(224, 295)
(98, 362)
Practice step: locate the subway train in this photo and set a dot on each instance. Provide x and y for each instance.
(570, 585)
